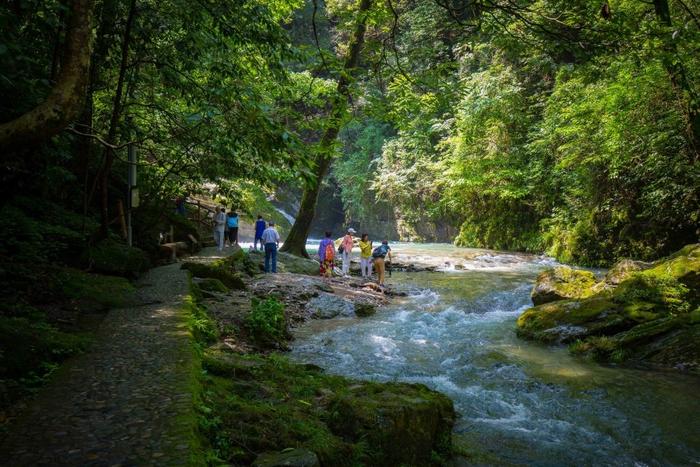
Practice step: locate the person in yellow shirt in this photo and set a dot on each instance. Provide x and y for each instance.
(365, 255)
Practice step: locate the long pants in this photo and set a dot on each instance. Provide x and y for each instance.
(233, 235)
(219, 236)
(366, 267)
(255, 243)
(379, 266)
(270, 257)
(347, 257)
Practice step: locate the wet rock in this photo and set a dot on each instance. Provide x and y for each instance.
(293, 458)
(561, 283)
(327, 306)
(405, 424)
(365, 309)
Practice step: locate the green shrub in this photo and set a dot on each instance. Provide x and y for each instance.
(266, 322)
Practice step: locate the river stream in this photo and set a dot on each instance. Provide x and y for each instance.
(519, 403)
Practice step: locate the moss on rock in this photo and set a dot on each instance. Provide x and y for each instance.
(561, 283)
(212, 285)
(266, 403)
(288, 263)
(648, 318)
(227, 277)
(404, 424)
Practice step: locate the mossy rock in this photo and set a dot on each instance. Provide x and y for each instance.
(405, 424)
(289, 263)
(232, 365)
(212, 285)
(105, 291)
(230, 279)
(649, 318)
(112, 257)
(267, 403)
(561, 283)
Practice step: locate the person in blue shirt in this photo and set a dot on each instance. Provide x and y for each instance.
(259, 229)
(232, 226)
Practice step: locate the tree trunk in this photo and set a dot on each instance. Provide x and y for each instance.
(104, 174)
(64, 103)
(677, 73)
(298, 235)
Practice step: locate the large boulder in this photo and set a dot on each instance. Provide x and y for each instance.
(326, 306)
(646, 314)
(288, 458)
(561, 283)
(404, 424)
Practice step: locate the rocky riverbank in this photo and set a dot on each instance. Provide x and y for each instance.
(644, 314)
(259, 407)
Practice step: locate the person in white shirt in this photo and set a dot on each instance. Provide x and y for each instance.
(271, 240)
(220, 228)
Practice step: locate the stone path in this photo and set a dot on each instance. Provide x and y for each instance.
(126, 402)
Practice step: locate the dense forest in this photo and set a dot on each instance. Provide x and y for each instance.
(562, 127)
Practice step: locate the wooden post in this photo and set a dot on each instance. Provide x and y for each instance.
(122, 218)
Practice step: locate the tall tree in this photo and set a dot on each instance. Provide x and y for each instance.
(298, 235)
(64, 103)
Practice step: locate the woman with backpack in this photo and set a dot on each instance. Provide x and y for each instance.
(379, 254)
(326, 255)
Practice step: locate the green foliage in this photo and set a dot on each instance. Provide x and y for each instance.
(266, 322)
(200, 324)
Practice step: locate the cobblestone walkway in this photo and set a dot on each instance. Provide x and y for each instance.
(127, 401)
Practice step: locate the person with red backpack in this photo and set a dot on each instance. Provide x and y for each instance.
(326, 255)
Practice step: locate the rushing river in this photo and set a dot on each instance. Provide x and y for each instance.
(519, 402)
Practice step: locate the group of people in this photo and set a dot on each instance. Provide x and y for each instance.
(225, 228)
(369, 257)
(266, 235)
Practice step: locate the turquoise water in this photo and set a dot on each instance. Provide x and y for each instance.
(519, 403)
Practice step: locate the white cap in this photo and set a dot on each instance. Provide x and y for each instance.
(351, 230)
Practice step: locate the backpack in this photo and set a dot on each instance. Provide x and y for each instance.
(330, 252)
(380, 251)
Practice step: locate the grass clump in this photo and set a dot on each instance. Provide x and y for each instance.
(267, 323)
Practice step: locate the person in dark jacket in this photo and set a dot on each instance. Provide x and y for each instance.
(259, 229)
